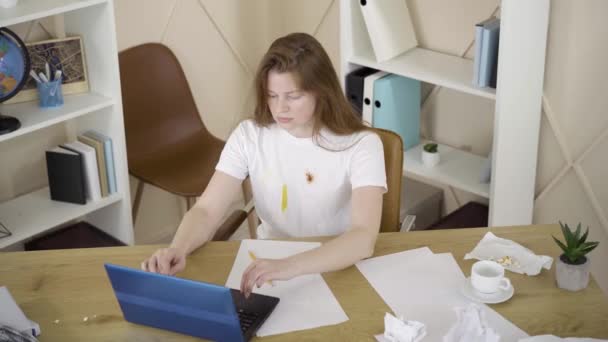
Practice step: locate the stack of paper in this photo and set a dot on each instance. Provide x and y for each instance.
(426, 287)
(306, 301)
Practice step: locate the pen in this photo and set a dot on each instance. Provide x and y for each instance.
(35, 77)
(253, 257)
(48, 71)
(43, 78)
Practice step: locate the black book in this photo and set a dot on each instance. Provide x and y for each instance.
(354, 87)
(66, 176)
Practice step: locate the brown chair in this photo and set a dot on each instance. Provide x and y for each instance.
(168, 145)
(393, 160)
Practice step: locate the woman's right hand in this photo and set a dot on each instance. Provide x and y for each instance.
(165, 261)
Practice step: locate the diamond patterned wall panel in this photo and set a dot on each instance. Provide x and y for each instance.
(243, 24)
(594, 166)
(550, 160)
(134, 27)
(448, 26)
(218, 80)
(576, 72)
(328, 33)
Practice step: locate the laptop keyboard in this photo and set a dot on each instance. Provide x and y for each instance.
(246, 319)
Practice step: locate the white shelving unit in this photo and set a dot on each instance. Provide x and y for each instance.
(32, 214)
(455, 169)
(517, 111)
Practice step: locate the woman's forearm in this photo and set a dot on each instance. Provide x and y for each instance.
(196, 228)
(336, 254)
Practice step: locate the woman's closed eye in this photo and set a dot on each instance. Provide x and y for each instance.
(294, 97)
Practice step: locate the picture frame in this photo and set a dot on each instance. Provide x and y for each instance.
(65, 54)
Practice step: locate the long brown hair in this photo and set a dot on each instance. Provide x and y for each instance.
(303, 56)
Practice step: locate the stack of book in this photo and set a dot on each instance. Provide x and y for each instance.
(82, 170)
(487, 34)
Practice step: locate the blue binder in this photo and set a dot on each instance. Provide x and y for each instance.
(397, 107)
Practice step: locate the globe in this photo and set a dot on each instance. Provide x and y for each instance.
(14, 66)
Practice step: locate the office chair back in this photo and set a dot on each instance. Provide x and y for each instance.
(156, 96)
(393, 160)
(168, 144)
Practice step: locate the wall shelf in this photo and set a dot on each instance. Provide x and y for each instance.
(456, 168)
(431, 67)
(34, 213)
(28, 10)
(100, 109)
(33, 117)
(523, 37)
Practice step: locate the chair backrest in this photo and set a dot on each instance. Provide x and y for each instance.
(158, 106)
(393, 160)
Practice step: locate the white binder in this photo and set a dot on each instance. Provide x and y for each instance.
(368, 96)
(389, 26)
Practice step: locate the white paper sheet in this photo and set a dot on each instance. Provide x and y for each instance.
(553, 338)
(426, 287)
(11, 314)
(306, 301)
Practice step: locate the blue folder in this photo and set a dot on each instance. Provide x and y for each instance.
(397, 107)
(488, 61)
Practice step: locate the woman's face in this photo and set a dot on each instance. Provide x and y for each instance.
(291, 108)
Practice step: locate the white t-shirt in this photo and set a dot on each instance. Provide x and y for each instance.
(299, 188)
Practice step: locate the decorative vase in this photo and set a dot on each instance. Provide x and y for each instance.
(430, 159)
(572, 277)
(8, 3)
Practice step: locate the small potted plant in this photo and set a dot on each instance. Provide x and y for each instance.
(430, 154)
(572, 267)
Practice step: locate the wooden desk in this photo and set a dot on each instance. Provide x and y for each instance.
(68, 285)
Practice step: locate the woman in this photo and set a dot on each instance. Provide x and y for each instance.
(315, 170)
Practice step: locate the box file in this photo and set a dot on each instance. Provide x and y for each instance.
(354, 87)
(368, 96)
(396, 107)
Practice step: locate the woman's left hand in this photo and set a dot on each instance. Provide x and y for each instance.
(266, 270)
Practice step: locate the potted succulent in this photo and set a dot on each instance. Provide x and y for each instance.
(572, 267)
(430, 154)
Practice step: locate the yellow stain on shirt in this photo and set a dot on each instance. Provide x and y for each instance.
(284, 198)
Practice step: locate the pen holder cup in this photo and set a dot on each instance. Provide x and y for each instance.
(50, 94)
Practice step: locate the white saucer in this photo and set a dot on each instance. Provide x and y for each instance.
(488, 298)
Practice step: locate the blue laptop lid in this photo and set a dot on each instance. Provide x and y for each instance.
(181, 305)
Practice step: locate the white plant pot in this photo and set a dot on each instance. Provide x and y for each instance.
(430, 159)
(8, 3)
(572, 277)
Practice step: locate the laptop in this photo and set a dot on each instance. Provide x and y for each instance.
(186, 306)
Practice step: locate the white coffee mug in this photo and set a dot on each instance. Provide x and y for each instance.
(489, 277)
